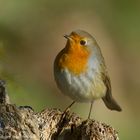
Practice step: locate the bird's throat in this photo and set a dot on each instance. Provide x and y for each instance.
(74, 58)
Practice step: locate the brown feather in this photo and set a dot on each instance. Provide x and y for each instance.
(108, 99)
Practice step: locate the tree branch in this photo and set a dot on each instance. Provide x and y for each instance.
(50, 124)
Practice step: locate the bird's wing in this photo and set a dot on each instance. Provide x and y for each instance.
(108, 99)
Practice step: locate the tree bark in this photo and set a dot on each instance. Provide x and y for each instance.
(22, 123)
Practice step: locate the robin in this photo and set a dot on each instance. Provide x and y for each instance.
(80, 71)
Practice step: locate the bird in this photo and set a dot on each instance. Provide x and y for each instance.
(80, 71)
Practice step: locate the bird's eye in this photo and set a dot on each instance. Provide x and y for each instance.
(83, 42)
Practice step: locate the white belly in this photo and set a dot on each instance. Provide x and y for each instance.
(85, 87)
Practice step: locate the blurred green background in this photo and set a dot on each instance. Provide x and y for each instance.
(31, 34)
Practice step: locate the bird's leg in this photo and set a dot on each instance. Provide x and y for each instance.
(90, 110)
(62, 119)
(69, 106)
(65, 111)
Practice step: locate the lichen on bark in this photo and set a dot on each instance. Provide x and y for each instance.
(23, 123)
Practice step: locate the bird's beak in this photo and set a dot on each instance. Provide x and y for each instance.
(67, 36)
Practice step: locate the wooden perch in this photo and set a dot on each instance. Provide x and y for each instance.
(22, 123)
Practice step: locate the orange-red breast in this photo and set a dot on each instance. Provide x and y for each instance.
(80, 71)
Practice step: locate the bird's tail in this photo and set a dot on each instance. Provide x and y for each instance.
(111, 103)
